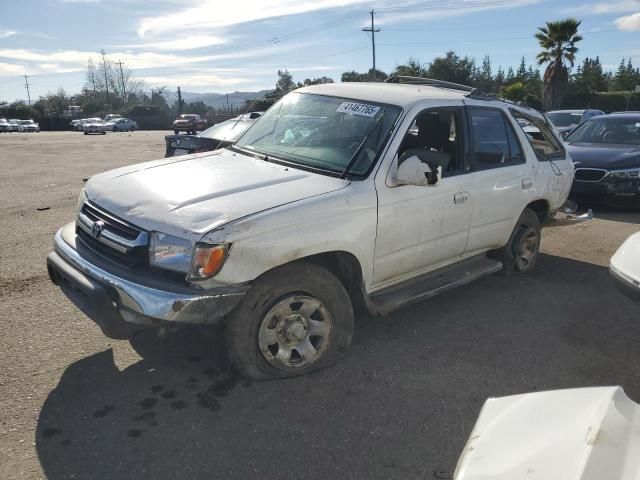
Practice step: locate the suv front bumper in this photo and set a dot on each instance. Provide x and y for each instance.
(122, 305)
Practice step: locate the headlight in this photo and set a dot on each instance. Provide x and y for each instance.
(627, 173)
(207, 260)
(81, 199)
(169, 252)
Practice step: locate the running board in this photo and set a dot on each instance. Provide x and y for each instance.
(431, 284)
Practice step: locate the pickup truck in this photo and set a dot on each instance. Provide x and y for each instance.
(190, 123)
(340, 197)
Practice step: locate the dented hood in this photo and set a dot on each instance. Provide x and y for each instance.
(578, 434)
(190, 195)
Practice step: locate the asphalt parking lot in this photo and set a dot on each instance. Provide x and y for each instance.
(74, 404)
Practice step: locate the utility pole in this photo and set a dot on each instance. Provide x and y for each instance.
(373, 31)
(179, 101)
(124, 90)
(105, 67)
(26, 85)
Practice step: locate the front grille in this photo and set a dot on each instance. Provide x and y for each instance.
(590, 174)
(117, 226)
(114, 239)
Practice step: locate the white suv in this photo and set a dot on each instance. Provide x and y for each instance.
(369, 195)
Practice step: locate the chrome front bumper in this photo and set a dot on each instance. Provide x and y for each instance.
(134, 303)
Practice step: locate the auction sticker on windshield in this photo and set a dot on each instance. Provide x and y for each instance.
(358, 109)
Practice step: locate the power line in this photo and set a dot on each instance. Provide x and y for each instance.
(373, 29)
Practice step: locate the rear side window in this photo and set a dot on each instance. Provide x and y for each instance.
(494, 142)
(543, 142)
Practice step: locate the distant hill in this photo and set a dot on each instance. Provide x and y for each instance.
(216, 100)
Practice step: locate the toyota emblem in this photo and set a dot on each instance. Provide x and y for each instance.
(96, 228)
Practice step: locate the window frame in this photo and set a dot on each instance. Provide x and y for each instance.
(507, 124)
(562, 151)
(462, 134)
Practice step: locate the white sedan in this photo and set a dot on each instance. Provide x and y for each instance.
(625, 267)
(121, 125)
(28, 126)
(97, 126)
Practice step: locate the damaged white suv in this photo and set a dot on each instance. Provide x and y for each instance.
(342, 195)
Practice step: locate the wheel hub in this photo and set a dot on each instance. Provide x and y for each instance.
(293, 330)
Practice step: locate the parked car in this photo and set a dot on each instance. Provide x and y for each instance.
(370, 194)
(624, 267)
(220, 135)
(111, 116)
(5, 126)
(190, 123)
(74, 124)
(582, 433)
(15, 124)
(121, 125)
(567, 120)
(96, 126)
(28, 126)
(82, 122)
(606, 152)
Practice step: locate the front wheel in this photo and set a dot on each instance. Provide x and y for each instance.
(176, 132)
(115, 129)
(295, 319)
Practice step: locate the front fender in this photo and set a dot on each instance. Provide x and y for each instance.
(344, 221)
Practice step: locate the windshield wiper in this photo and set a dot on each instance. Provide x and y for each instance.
(361, 146)
(259, 156)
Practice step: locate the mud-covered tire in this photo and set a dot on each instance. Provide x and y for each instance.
(520, 254)
(289, 285)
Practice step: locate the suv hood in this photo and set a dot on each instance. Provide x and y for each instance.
(607, 156)
(190, 195)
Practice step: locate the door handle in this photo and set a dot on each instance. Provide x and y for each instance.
(460, 197)
(527, 183)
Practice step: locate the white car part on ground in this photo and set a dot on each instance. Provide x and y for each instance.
(586, 434)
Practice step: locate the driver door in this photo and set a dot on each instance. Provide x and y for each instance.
(421, 228)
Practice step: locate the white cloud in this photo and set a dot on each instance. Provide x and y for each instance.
(217, 14)
(7, 33)
(11, 69)
(422, 12)
(629, 23)
(77, 59)
(185, 43)
(611, 6)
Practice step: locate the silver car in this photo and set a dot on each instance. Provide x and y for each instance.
(121, 125)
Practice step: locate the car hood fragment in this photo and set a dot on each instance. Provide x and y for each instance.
(191, 195)
(575, 434)
(607, 156)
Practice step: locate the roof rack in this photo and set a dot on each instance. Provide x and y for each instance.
(432, 82)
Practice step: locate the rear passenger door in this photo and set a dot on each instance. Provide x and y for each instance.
(501, 178)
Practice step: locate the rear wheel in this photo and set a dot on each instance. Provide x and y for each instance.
(295, 320)
(86, 133)
(521, 253)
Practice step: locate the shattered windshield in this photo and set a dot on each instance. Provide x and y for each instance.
(322, 132)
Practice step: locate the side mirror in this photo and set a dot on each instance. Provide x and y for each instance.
(414, 171)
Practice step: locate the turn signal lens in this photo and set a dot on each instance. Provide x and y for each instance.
(207, 261)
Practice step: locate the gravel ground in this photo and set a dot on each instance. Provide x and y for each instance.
(74, 404)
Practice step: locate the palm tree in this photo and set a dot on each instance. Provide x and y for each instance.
(558, 39)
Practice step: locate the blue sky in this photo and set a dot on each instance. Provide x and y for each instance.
(229, 45)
